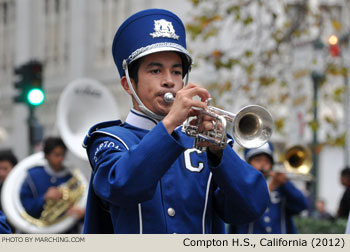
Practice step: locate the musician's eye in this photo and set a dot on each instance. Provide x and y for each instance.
(178, 72)
(155, 71)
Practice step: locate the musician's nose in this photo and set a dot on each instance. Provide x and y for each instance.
(168, 80)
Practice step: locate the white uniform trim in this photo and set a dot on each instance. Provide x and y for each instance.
(140, 217)
(32, 185)
(114, 136)
(52, 172)
(283, 217)
(251, 228)
(206, 203)
(140, 120)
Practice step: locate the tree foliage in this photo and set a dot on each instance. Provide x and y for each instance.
(261, 52)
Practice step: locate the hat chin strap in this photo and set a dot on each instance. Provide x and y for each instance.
(139, 102)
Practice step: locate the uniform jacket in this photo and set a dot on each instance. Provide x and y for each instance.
(37, 182)
(285, 202)
(147, 181)
(4, 227)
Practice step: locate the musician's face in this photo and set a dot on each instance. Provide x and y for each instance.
(5, 168)
(158, 73)
(262, 163)
(56, 158)
(345, 181)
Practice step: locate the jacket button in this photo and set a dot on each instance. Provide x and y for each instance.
(171, 212)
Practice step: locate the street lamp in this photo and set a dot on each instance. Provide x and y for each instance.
(317, 76)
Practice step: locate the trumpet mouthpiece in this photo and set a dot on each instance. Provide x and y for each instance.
(168, 97)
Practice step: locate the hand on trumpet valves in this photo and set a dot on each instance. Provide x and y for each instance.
(184, 105)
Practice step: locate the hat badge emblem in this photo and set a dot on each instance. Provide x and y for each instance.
(163, 28)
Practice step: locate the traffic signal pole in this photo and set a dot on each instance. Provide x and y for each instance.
(35, 130)
(30, 92)
(30, 122)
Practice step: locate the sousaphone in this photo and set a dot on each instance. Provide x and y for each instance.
(82, 103)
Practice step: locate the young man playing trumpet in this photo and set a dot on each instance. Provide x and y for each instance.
(285, 199)
(146, 177)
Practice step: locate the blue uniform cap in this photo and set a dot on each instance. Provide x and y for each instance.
(266, 149)
(149, 31)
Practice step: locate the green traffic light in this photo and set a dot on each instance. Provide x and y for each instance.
(35, 97)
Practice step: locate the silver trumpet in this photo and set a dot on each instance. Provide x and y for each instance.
(251, 127)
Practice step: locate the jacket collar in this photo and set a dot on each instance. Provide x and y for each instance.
(140, 120)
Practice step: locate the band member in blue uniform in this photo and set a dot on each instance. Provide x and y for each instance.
(4, 227)
(147, 177)
(285, 199)
(42, 182)
(8, 161)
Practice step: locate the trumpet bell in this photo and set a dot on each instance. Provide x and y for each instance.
(252, 126)
(298, 160)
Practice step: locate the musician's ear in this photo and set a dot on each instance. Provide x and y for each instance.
(125, 85)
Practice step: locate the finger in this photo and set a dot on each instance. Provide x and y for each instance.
(207, 125)
(193, 112)
(205, 144)
(193, 90)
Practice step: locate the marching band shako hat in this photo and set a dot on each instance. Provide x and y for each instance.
(266, 149)
(146, 32)
(149, 31)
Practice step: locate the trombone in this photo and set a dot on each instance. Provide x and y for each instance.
(251, 127)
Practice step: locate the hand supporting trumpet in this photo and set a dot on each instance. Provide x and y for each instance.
(184, 106)
(263, 163)
(277, 179)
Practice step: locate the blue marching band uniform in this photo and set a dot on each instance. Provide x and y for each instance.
(36, 184)
(4, 227)
(147, 181)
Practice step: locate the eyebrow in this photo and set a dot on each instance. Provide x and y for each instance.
(151, 64)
